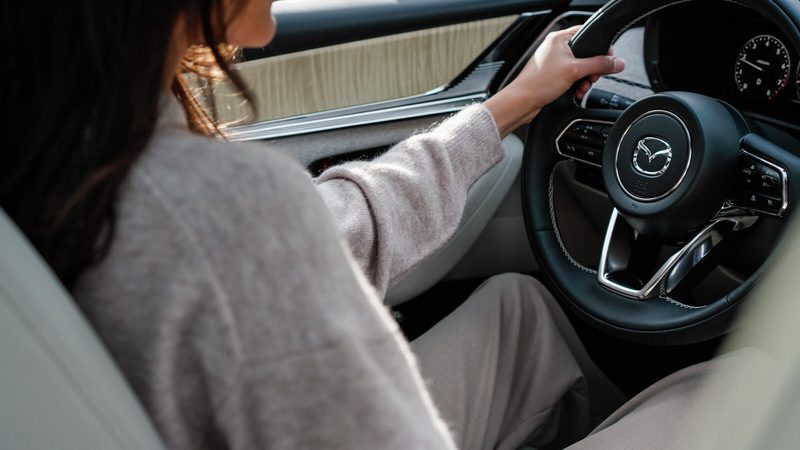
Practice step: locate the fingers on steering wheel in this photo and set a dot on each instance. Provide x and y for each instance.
(587, 84)
(583, 89)
(571, 31)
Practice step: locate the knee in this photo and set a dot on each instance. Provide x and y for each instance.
(512, 281)
(513, 292)
(515, 285)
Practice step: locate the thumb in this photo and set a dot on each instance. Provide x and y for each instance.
(600, 65)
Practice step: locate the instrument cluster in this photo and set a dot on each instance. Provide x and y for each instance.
(762, 68)
(725, 51)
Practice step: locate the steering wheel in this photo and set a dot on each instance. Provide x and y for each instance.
(681, 169)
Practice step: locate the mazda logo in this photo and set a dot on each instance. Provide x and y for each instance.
(652, 156)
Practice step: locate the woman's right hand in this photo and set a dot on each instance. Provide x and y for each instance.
(550, 72)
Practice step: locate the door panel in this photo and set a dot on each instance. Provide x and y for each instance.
(360, 72)
(308, 24)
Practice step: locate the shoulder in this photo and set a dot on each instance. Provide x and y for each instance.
(242, 224)
(255, 218)
(184, 160)
(230, 187)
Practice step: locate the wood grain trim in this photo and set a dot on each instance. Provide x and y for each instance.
(357, 73)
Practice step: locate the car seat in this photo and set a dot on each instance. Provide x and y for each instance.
(59, 387)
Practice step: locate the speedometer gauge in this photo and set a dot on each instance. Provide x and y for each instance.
(762, 68)
(797, 82)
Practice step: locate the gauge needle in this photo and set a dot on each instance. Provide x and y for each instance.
(751, 64)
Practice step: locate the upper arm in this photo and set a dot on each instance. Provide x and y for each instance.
(397, 210)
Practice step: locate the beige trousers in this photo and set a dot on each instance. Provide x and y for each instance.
(506, 369)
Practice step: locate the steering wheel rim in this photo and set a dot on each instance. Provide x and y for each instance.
(657, 320)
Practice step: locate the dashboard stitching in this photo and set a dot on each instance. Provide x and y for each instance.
(555, 224)
(625, 28)
(628, 82)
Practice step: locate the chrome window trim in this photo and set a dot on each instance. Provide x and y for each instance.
(277, 129)
(428, 105)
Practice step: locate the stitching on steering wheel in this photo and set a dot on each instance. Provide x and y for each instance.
(551, 196)
(555, 224)
(663, 296)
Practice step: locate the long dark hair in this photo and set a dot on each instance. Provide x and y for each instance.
(81, 86)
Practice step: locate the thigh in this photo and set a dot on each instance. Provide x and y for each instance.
(685, 410)
(501, 371)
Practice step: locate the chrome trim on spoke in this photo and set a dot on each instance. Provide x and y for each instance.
(673, 271)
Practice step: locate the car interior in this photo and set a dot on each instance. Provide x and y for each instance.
(657, 209)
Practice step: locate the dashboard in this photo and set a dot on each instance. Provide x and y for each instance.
(726, 51)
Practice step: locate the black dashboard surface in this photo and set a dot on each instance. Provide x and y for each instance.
(695, 47)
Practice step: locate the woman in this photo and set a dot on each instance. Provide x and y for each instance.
(241, 301)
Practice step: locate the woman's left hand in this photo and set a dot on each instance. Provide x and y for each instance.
(550, 72)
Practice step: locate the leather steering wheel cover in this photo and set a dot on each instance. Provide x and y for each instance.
(656, 321)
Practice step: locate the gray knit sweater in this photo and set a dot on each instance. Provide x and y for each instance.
(242, 302)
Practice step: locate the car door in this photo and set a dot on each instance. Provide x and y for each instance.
(347, 79)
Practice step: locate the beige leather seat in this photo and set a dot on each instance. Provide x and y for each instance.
(59, 388)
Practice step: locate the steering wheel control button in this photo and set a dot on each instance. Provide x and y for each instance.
(770, 185)
(769, 181)
(653, 156)
(572, 150)
(600, 99)
(752, 199)
(582, 135)
(592, 155)
(769, 203)
(590, 127)
(760, 185)
(584, 141)
(604, 133)
(750, 168)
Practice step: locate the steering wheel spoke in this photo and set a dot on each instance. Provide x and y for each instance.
(621, 265)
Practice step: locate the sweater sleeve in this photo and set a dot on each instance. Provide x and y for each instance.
(397, 210)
